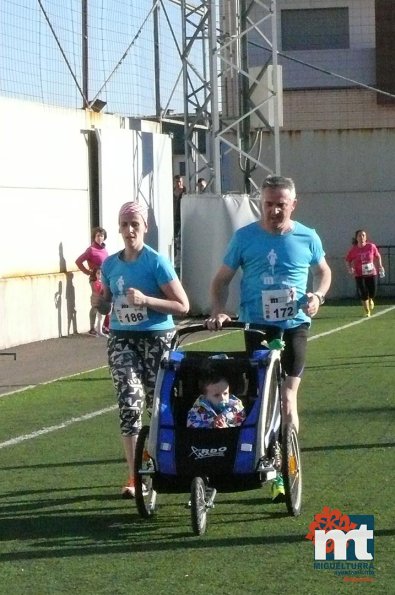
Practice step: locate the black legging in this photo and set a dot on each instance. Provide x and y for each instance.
(294, 354)
(366, 287)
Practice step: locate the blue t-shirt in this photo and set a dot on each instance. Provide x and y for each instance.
(147, 274)
(275, 272)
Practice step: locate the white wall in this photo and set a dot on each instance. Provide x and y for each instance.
(208, 222)
(45, 210)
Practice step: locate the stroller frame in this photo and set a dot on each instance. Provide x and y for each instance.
(171, 458)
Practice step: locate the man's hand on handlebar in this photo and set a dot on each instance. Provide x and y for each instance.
(214, 323)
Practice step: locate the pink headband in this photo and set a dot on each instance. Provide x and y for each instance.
(134, 207)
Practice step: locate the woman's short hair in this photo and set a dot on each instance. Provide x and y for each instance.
(97, 230)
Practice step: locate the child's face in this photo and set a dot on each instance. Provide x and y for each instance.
(217, 393)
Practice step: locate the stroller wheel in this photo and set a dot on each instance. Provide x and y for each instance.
(144, 493)
(198, 506)
(292, 470)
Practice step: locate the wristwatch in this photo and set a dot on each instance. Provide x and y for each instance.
(321, 297)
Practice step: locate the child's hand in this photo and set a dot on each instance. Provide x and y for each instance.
(220, 421)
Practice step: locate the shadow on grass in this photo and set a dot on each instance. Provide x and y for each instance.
(53, 527)
(63, 464)
(347, 447)
(87, 379)
(66, 536)
(117, 538)
(63, 525)
(361, 410)
(382, 361)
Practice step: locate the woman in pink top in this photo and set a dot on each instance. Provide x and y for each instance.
(363, 261)
(94, 256)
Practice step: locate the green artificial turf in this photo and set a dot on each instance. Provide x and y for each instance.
(64, 528)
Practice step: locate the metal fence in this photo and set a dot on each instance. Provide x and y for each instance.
(387, 283)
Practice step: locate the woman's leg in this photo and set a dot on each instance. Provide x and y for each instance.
(126, 367)
(371, 286)
(156, 348)
(363, 294)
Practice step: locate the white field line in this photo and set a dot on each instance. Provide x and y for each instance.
(73, 420)
(49, 429)
(30, 386)
(350, 324)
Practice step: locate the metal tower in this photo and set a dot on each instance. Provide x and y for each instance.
(238, 105)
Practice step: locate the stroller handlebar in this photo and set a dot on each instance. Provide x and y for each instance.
(254, 328)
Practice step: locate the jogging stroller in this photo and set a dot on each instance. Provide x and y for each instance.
(172, 458)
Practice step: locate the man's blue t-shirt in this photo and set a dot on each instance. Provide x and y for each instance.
(147, 274)
(275, 272)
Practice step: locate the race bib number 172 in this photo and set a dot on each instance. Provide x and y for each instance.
(279, 304)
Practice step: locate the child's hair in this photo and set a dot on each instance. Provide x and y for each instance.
(93, 274)
(211, 377)
(96, 230)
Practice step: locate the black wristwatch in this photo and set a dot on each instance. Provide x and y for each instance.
(321, 297)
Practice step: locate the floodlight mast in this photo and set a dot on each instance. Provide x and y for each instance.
(219, 98)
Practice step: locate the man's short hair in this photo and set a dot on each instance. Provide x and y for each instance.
(279, 182)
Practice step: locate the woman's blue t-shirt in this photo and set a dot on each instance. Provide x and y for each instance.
(148, 273)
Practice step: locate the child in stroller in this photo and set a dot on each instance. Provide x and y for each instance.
(215, 407)
(174, 456)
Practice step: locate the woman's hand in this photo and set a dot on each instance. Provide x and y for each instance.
(136, 297)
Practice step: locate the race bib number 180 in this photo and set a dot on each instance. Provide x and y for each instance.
(279, 304)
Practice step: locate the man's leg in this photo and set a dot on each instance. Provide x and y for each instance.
(289, 399)
(293, 360)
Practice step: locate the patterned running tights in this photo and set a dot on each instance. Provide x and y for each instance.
(134, 362)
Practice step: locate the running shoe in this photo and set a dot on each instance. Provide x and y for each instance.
(371, 304)
(92, 332)
(129, 491)
(278, 491)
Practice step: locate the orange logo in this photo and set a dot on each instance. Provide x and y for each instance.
(327, 520)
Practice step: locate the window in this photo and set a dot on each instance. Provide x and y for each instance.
(385, 51)
(315, 29)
